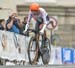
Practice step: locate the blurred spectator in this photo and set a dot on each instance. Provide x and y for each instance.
(2, 24)
(25, 20)
(24, 23)
(20, 26)
(12, 23)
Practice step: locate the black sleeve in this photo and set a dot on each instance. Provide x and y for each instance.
(8, 21)
(1, 27)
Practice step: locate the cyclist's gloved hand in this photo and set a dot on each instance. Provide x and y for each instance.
(42, 30)
(26, 27)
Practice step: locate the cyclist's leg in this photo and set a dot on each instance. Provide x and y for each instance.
(38, 23)
(45, 36)
(39, 26)
(37, 31)
(48, 20)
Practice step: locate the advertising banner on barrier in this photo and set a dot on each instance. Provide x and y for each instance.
(58, 57)
(21, 43)
(74, 56)
(7, 44)
(13, 46)
(67, 55)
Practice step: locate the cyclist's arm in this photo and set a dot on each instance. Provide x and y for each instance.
(29, 17)
(44, 16)
(28, 21)
(9, 24)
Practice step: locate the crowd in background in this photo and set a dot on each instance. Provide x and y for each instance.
(13, 24)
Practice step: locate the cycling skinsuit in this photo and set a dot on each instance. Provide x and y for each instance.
(41, 18)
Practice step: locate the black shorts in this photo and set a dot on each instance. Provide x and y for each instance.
(40, 21)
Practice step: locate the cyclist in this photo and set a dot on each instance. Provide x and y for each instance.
(40, 15)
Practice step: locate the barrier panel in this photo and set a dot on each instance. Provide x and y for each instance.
(10, 44)
(14, 47)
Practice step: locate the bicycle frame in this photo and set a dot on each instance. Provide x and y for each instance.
(37, 51)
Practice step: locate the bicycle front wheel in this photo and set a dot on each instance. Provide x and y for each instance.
(33, 49)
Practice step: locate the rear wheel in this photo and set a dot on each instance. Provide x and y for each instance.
(33, 49)
(46, 52)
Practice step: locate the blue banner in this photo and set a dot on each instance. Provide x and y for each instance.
(74, 56)
(67, 55)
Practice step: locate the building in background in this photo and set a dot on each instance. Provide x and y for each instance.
(63, 9)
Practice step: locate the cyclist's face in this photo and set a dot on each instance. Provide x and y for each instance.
(35, 12)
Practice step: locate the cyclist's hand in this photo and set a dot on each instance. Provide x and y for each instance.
(43, 28)
(26, 28)
(24, 31)
(41, 31)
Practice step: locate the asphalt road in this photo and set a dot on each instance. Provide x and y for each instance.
(40, 66)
